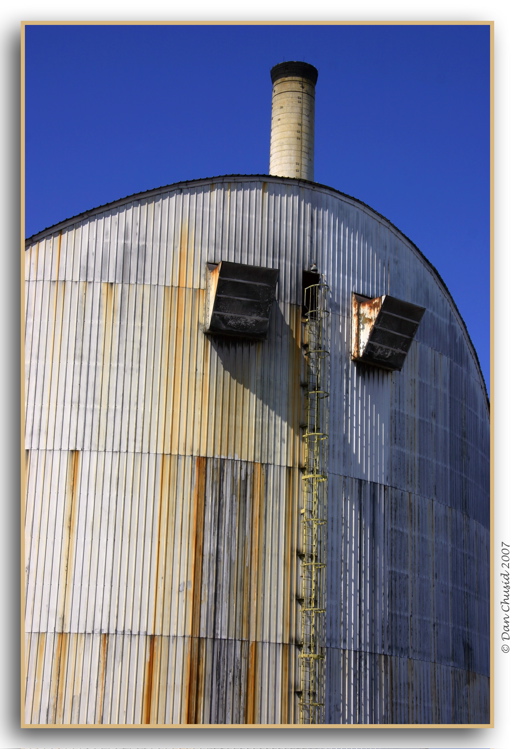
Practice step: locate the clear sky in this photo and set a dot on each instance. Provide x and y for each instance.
(402, 123)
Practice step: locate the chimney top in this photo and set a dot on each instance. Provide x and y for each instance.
(294, 68)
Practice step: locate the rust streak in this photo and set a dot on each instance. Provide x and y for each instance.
(201, 674)
(178, 376)
(61, 676)
(191, 705)
(204, 408)
(53, 335)
(71, 664)
(109, 301)
(148, 683)
(260, 571)
(166, 371)
(186, 705)
(170, 529)
(68, 543)
(245, 612)
(156, 680)
(71, 523)
(254, 563)
(101, 679)
(191, 710)
(198, 542)
(40, 661)
(250, 714)
(54, 688)
(158, 604)
(255, 587)
(246, 580)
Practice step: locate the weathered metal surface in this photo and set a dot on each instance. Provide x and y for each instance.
(156, 680)
(399, 557)
(156, 543)
(163, 476)
(185, 562)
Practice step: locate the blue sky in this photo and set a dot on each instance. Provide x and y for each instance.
(402, 123)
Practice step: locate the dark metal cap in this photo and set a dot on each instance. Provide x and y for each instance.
(292, 68)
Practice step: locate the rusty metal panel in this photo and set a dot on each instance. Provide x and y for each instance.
(170, 565)
(163, 473)
(181, 680)
(106, 376)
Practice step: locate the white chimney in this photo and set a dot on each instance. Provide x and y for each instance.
(292, 141)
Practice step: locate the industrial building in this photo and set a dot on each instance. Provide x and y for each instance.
(257, 460)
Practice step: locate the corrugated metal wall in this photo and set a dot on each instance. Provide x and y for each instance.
(163, 473)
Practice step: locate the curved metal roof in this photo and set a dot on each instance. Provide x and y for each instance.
(268, 178)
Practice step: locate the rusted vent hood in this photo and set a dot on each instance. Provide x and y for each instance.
(239, 299)
(383, 330)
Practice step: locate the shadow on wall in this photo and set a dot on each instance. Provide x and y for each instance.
(270, 370)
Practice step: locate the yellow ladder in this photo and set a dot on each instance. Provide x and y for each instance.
(313, 513)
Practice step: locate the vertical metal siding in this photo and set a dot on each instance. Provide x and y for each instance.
(163, 474)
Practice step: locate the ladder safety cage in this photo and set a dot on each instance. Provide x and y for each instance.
(313, 514)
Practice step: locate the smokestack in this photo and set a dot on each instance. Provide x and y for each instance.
(292, 139)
